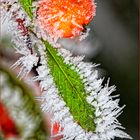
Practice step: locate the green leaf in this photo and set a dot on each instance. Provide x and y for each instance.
(71, 89)
(27, 6)
(28, 107)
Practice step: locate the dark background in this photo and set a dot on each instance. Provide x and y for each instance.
(116, 27)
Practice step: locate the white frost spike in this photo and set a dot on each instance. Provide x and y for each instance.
(84, 35)
(26, 64)
(53, 103)
(14, 102)
(28, 60)
(9, 18)
(107, 109)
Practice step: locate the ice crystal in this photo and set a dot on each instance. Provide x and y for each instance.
(16, 102)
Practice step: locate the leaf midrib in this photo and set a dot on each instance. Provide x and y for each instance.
(62, 69)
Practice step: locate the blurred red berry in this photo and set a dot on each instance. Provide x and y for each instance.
(56, 130)
(65, 18)
(7, 125)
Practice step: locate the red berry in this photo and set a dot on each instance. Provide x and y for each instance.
(7, 125)
(65, 18)
(56, 130)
